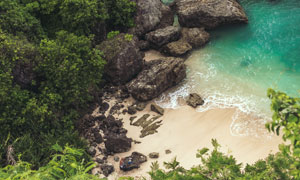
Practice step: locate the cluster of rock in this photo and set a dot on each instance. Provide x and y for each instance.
(144, 81)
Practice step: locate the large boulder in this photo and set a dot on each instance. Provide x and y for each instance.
(196, 37)
(209, 13)
(194, 100)
(177, 48)
(158, 76)
(124, 58)
(163, 36)
(151, 15)
(116, 143)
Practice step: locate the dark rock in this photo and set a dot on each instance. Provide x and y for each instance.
(157, 77)
(141, 120)
(177, 48)
(116, 158)
(196, 37)
(140, 106)
(195, 100)
(104, 107)
(91, 151)
(107, 169)
(117, 143)
(100, 118)
(151, 15)
(98, 138)
(132, 162)
(168, 151)
(100, 161)
(163, 36)
(131, 110)
(124, 59)
(154, 155)
(209, 13)
(157, 109)
(114, 109)
(144, 45)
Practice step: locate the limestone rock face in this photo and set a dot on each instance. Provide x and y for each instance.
(124, 59)
(209, 13)
(196, 37)
(163, 36)
(151, 14)
(158, 76)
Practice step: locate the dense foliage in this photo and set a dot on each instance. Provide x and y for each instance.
(284, 165)
(68, 163)
(50, 70)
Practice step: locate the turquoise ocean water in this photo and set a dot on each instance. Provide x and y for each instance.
(241, 62)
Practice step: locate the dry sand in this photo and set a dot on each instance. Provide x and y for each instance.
(185, 130)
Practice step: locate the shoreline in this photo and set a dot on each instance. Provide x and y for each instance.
(184, 131)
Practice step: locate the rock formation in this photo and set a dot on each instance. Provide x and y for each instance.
(151, 15)
(158, 76)
(163, 36)
(209, 13)
(124, 59)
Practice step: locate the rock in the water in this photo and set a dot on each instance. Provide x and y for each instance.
(131, 110)
(195, 100)
(124, 59)
(177, 48)
(163, 36)
(132, 162)
(209, 13)
(117, 143)
(157, 109)
(107, 169)
(151, 15)
(157, 77)
(154, 155)
(104, 107)
(196, 37)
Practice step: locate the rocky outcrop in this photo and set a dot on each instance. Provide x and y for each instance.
(177, 48)
(190, 38)
(124, 59)
(158, 76)
(196, 37)
(117, 143)
(132, 162)
(151, 15)
(163, 36)
(209, 13)
(195, 100)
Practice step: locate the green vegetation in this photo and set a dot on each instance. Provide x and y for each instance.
(284, 165)
(50, 72)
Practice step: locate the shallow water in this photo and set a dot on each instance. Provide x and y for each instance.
(242, 61)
